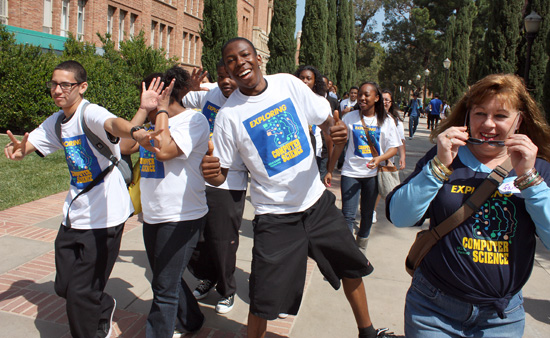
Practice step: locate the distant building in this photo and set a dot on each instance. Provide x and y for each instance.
(170, 24)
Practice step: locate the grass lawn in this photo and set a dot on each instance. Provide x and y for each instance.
(32, 178)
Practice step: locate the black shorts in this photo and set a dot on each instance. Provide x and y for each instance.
(282, 243)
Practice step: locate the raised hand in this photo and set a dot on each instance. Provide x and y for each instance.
(522, 151)
(150, 96)
(196, 79)
(164, 98)
(16, 150)
(210, 165)
(448, 143)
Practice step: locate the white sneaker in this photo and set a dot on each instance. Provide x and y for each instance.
(283, 315)
(105, 327)
(225, 304)
(374, 220)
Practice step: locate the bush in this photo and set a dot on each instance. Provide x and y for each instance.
(113, 78)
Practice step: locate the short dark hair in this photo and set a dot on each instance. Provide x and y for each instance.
(354, 87)
(436, 95)
(74, 67)
(182, 81)
(239, 39)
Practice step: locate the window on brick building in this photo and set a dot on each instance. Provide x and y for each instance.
(65, 18)
(183, 45)
(169, 33)
(196, 42)
(133, 19)
(190, 48)
(161, 35)
(110, 15)
(4, 12)
(191, 6)
(47, 22)
(153, 29)
(121, 24)
(80, 19)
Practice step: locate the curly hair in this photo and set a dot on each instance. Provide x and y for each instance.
(319, 86)
(511, 90)
(182, 81)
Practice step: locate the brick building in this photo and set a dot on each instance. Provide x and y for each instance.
(170, 24)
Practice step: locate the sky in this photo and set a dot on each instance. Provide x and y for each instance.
(300, 8)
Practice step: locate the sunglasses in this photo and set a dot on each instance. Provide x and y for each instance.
(493, 143)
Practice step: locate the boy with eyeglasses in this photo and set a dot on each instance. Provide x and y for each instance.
(85, 251)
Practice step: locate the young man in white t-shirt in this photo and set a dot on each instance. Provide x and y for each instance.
(85, 253)
(265, 122)
(215, 258)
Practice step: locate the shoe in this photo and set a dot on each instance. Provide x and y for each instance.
(180, 332)
(203, 288)
(105, 326)
(225, 304)
(374, 220)
(283, 315)
(385, 333)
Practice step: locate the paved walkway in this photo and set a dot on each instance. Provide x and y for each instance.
(29, 307)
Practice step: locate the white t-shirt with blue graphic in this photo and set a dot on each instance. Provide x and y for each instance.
(209, 102)
(270, 133)
(359, 153)
(173, 190)
(108, 203)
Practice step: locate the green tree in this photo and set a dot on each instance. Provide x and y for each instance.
(314, 34)
(458, 50)
(219, 24)
(282, 44)
(331, 65)
(346, 46)
(502, 37)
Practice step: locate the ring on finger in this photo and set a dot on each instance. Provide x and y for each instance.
(447, 136)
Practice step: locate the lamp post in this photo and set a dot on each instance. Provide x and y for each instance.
(532, 26)
(446, 65)
(426, 74)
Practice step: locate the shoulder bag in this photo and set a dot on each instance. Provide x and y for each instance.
(388, 175)
(426, 239)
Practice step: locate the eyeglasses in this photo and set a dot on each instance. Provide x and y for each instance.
(493, 143)
(65, 86)
(387, 100)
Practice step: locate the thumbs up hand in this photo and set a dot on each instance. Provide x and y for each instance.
(339, 131)
(210, 165)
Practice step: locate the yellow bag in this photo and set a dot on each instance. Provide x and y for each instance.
(133, 188)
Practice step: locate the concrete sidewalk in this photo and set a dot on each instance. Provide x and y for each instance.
(29, 307)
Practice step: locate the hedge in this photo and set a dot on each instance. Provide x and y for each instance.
(113, 78)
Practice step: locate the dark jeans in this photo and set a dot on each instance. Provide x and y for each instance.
(432, 121)
(215, 257)
(413, 123)
(84, 260)
(169, 247)
(353, 188)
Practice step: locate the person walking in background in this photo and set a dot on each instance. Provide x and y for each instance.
(371, 131)
(436, 107)
(323, 143)
(469, 284)
(265, 122)
(173, 201)
(414, 109)
(348, 104)
(88, 240)
(215, 257)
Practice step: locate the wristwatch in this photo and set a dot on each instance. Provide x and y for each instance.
(134, 129)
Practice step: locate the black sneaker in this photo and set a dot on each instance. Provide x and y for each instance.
(225, 304)
(385, 333)
(203, 288)
(105, 326)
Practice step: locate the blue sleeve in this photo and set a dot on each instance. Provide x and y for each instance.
(537, 203)
(414, 195)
